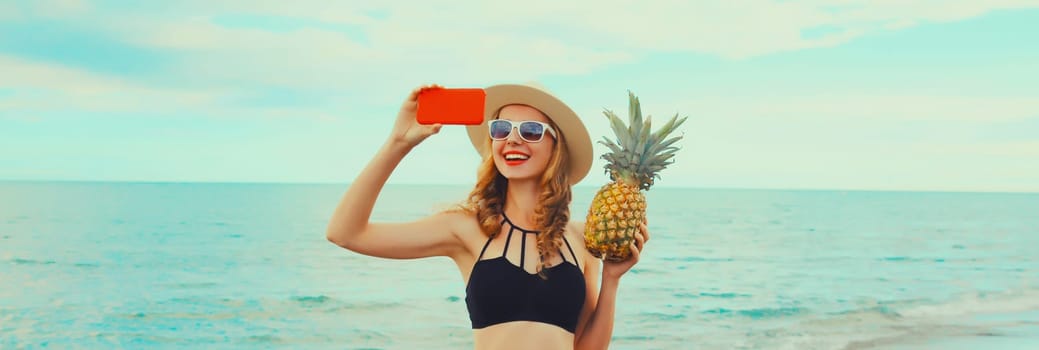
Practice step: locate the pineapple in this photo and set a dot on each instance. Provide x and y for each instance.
(632, 163)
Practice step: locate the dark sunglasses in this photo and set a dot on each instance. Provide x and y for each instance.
(529, 130)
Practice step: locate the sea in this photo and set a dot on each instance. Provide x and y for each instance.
(97, 265)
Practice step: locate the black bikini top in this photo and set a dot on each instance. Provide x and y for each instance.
(500, 292)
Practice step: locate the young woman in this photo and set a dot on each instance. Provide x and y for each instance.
(530, 283)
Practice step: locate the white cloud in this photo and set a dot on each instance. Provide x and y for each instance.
(994, 149)
(42, 88)
(23, 118)
(59, 8)
(9, 10)
(483, 42)
(320, 58)
(50, 9)
(870, 107)
(732, 29)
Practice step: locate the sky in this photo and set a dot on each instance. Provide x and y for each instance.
(907, 95)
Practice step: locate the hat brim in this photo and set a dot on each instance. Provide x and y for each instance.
(578, 143)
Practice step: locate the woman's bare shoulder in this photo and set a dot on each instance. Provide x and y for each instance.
(575, 228)
(470, 234)
(575, 235)
(465, 225)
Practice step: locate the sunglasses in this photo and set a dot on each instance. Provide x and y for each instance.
(529, 130)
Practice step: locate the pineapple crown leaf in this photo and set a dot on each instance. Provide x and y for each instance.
(664, 130)
(669, 127)
(618, 129)
(616, 161)
(666, 151)
(657, 148)
(663, 158)
(613, 146)
(644, 143)
(634, 114)
(670, 150)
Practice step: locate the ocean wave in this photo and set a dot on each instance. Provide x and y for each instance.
(725, 295)
(728, 295)
(978, 303)
(884, 310)
(685, 295)
(219, 308)
(634, 338)
(696, 259)
(660, 316)
(758, 313)
(900, 258)
(885, 323)
(192, 285)
(206, 339)
(37, 262)
(920, 310)
(918, 335)
(200, 315)
(20, 261)
(639, 271)
(264, 339)
(312, 300)
(365, 306)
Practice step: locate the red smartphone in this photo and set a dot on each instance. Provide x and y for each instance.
(451, 106)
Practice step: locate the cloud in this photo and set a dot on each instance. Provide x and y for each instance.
(358, 47)
(310, 56)
(59, 8)
(39, 89)
(484, 42)
(23, 118)
(1027, 148)
(867, 107)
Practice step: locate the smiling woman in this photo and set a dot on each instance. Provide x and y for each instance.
(547, 292)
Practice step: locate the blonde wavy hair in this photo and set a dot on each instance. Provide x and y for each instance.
(551, 212)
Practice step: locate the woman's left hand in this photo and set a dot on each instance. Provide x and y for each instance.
(616, 269)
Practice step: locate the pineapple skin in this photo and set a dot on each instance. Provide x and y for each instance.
(613, 220)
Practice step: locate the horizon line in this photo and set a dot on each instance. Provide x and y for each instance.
(709, 188)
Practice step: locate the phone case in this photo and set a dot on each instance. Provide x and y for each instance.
(451, 106)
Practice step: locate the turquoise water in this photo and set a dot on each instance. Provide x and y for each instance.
(136, 265)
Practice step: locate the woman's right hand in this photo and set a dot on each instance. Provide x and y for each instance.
(407, 131)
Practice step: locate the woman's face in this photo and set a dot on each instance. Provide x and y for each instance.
(516, 158)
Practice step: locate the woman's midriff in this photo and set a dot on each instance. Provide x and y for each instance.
(523, 335)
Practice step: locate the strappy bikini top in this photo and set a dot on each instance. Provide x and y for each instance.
(500, 292)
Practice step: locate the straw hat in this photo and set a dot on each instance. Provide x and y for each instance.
(578, 143)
